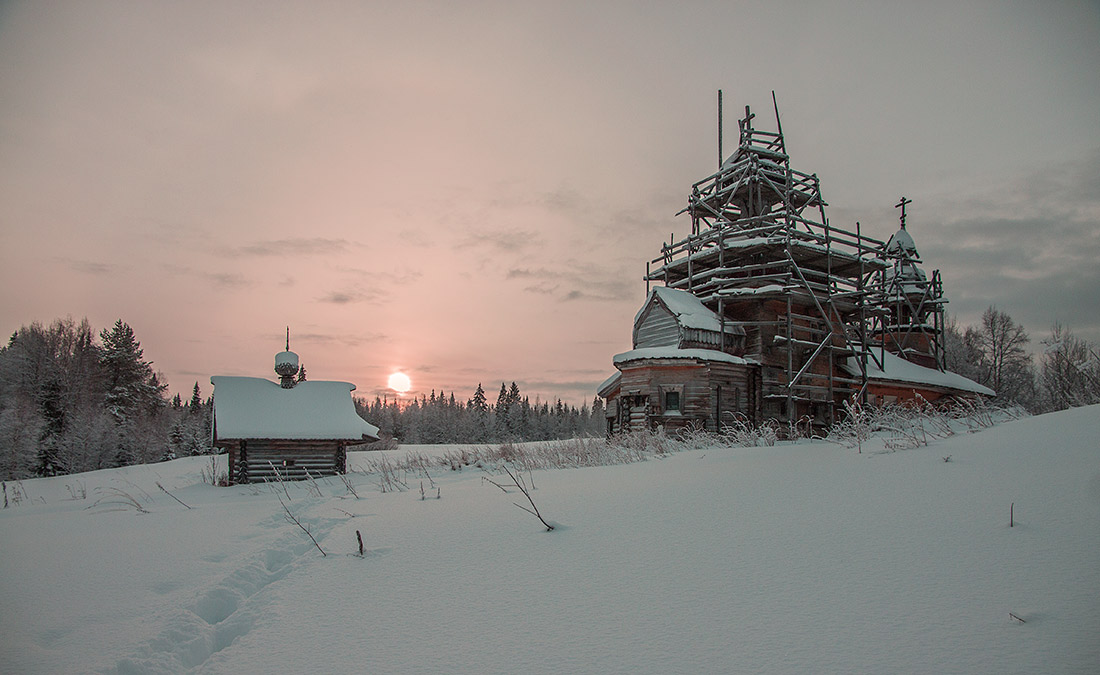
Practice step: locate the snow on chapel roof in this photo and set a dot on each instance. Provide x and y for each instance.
(252, 407)
(688, 309)
(669, 352)
(899, 370)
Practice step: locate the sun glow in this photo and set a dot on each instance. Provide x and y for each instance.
(400, 382)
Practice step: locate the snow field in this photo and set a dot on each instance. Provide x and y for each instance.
(786, 559)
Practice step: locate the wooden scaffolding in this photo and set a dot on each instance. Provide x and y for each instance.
(811, 297)
(910, 322)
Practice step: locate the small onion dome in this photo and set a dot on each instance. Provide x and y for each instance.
(902, 243)
(286, 366)
(286, 361)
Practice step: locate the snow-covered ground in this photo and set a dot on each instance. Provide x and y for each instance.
(806, 558)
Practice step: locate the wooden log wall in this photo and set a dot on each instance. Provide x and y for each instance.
(711, 393)
(734, 394)
(259, 460)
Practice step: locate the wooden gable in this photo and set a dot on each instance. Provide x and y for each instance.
(657, 326)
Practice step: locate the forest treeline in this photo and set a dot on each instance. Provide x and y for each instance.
(514, 417)
(996, 353)
(74, 400)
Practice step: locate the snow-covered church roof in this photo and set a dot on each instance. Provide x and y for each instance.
(688, 309)
(252, 407)
(905, 277)
(670, 352)
(897, 369)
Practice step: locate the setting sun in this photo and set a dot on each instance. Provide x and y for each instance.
(400, 382)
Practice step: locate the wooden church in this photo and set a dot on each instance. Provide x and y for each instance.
(765, 311)
(286, 430)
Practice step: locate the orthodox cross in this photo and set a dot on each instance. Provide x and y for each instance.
(902, 204)
(746, 123)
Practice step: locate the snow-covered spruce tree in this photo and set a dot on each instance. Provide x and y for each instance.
(431, 420)
(195, 427)
(127, 373)
(194, 408)
(454, 418)
(522, 420)
(379, 413)
(134, 393)
(477, 414)
(516, 422)
(410, 422)
(175, 443)
(597, 424)
(51, 406)
(500, 415)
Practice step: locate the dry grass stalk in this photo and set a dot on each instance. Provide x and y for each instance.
(517, 479)
(291, 518)
(165, 491)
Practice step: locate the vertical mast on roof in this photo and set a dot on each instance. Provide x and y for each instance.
(286, 365)
(778, 124)
(720, 157)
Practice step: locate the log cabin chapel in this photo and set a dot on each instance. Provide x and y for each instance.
(289, 429)
(765, 311)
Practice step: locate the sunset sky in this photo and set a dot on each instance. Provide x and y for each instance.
(469, 191)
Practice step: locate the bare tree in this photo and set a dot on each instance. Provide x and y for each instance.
(1006, 364)
(962, 352)
(1069, 371)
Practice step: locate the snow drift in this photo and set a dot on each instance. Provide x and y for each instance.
(788, 559)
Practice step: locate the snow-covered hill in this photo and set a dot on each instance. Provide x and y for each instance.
(805, 558)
